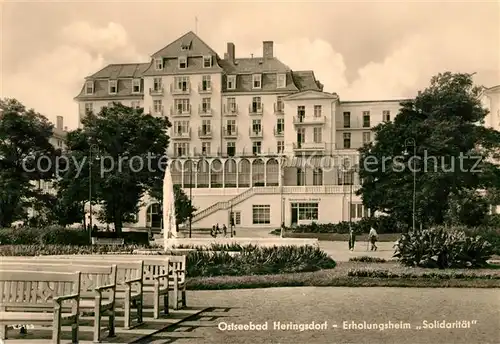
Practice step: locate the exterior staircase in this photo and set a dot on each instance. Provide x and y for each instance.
(259, 190)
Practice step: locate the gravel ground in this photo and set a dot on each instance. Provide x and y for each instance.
(336, 305)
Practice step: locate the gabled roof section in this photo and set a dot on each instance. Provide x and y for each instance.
(492, 89)
(305, 80)
(120, 71)
(311, 94)
(195, 43)
(253, 65)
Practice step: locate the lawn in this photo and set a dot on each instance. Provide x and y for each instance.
(395, 275)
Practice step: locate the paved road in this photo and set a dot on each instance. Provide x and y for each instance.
(409, 307)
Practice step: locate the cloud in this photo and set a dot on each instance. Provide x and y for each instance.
(50, 81)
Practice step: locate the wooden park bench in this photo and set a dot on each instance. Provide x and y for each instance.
(96, 282)
(107, 241)
(177, 272)
(37, 298)
(129, 289)
(157, 278)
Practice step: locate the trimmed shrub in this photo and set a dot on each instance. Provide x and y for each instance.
(367, 259)
(378, 273)
(490, 234)
(43, 236)
(442, 248)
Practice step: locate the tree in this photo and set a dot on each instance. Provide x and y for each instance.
(128, 148)
(442, 121)
(24, 139)
(183, 206)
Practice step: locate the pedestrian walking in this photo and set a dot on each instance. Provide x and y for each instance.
(373, 237)
(224, 229)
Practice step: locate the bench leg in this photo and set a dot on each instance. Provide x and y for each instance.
(3, 332)
(111, 323)
(56, 327)
(165, 303)
(74, 331)
(156, 311)
(127, 306)
(176, 297)
(139, 311)
(97, 327)
(183, 297)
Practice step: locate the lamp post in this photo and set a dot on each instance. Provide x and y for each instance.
(190, 196)
(410, 142)
(93, 148)
(231, 218)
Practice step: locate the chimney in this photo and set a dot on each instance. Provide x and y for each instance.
(230, 51)
(267, 49)
(59, 122)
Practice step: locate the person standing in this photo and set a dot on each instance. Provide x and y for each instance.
(352, 239)
(373, 237)
(224, 229)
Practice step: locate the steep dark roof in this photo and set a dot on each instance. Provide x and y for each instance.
(253, 65)
(120, 71)
(197, 47)
(305, 81)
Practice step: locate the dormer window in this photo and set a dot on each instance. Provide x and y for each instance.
(231, 82)
(186, 46)
(89, 87)
(257, 81)
(182, 62)
(158, 63)
(281, 81)
(113, 86)
(207, 61)
(136, 85)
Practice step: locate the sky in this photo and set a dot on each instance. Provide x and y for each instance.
(360, 50)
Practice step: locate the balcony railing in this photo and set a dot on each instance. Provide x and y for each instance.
(156, 91)
(180, 91)
(279, 108)
(309, 120)
(204, 133)
(230, 133)
(182, 134)
(309, 146)
(185, 111)
(256, 110)
(278, 133)
(204, 111)
(255, 134)
(204, 89)
(157, 111)
(231, 110)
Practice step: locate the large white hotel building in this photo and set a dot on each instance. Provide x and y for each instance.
(242, 129)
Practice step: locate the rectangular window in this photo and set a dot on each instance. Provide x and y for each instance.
(230, 127)
(256, 104)
(231, 105)
(256, 126)
(205, 105)
(301, 112)
(89, 87)
(182, 62)
(280, 125)
(157, 84)
(301, 177)
(257, 81)
(236, 217)
(207, 61)
(158, 63)
(206, 83)
(279, 104)
(181, 149)
(281, 147)
(366, 119)
(157, 106)
(366, 137)
(181, 83)
(181, 127)
(206, 127)
(205, 148)
(347, 119)
(317, 176)
(182, 106)
(281, 81)
(231, 82)
(136, 85)
(317, 135)
(317, 111)
(89, 107)
(231, 148)
(358, 211)
(347, 140)
(386, 116)
(306, 211)
(113, 86)
(261, 214)
(301, 135)
(257, 147)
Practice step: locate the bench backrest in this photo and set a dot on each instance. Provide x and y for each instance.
(91, 276)
(35, 289)
(153, 265)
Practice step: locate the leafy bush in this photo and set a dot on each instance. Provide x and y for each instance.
(45, 250)
(490, 234)
(43, 236)
(383, 224)
(378, 273)
(367, 259)
(442, 248)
